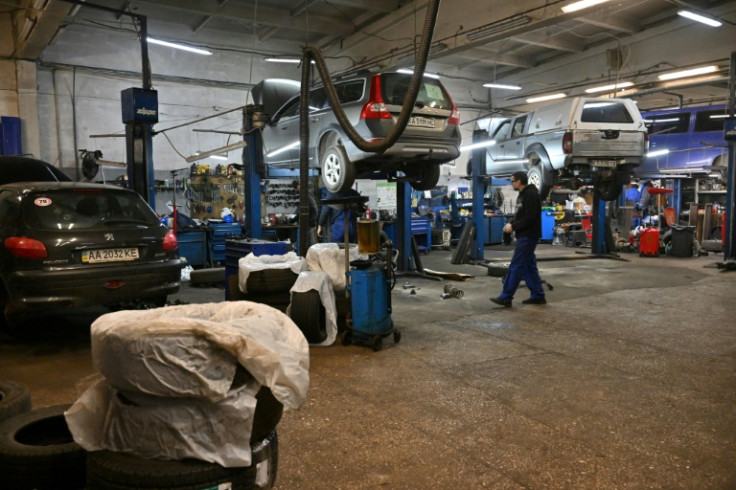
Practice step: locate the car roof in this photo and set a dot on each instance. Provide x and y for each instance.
(24, 169)
(22, 187)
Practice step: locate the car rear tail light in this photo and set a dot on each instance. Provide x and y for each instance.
(114, 284)
(375, 108)
(26, 247)
(170, 242)
(455, 116)
(567, 143)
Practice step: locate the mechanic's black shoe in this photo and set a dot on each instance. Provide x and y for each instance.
(506, 303)
(535, 301)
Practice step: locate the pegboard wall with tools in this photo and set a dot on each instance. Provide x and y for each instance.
(281, 196)
(207, 195)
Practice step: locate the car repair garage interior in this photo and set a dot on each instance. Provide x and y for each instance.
(256, 244)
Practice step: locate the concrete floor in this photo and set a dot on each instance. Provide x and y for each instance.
(626, 379)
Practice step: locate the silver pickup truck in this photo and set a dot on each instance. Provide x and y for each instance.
(571, 142)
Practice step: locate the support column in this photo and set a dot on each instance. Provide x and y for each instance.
(252, 156)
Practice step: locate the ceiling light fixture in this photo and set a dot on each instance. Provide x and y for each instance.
(699, 18)
(543, 98)
(582, 4)
(294, 61)
(218, 157)
(183, 47)
(657, 153)
(482, 144)
(608, 88)
(689, 73)
(407, 71)
(502, 86)
(498, 27)
(201, 156)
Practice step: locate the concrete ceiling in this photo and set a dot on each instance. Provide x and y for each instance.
(530, 43)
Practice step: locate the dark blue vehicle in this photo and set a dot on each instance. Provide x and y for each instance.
(686, 141)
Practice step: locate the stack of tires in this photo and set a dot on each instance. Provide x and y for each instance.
(267, 279)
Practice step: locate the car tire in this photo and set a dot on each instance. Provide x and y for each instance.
(270, 281)
(499, 269)
(15, 398)
(338, 173)
(107, 470)
(267, 415)
(37, 451)
(207, 276)
(539, 175)
(426, 178)
(309, 315)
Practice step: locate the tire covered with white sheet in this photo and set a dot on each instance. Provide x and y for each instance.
(107, 470)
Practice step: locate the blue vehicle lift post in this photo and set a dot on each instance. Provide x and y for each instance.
(478, 163)
(252, 157)
(729, 134)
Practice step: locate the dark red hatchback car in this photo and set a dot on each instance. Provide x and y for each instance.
(67, 244)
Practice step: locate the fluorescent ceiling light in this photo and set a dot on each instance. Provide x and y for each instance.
(582, 4)
(499, 27)
(202, 155)
(183, 47)
(542, 98)
(657, 153)
(719, 116)
(669, 119)
(218, 157)
(699, 18)
(608, 88)
(482, 144)
(407, 71)
(284, 60)
(689, 73)
(502, 86)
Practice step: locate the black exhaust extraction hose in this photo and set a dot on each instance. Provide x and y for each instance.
(313, 53)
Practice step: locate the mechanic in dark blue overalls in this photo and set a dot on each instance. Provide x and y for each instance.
(335, 220)
(527, 224)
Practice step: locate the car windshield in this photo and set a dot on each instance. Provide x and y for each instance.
(605, 112)
(431, 93)
(75, 209)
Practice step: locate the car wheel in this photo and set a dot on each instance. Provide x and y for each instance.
(309, 315)
(14, 399)
(119, 471)
(338, 173)
(426, 178)
(540, 177)
(37, 451)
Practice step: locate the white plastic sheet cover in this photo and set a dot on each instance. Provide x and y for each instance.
(251, 263)
(320, 282)
(104, 418)
(330, 258)
(178, 364)
(263, 340)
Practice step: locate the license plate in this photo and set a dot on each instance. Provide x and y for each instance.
(422, 122)
(109, 255)
(604, 163)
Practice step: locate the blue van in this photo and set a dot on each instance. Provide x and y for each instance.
(685, 141)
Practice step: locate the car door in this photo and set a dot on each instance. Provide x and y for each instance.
(281, 136)
(514, 146)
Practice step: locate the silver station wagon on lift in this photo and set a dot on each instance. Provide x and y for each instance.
(372, 103)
